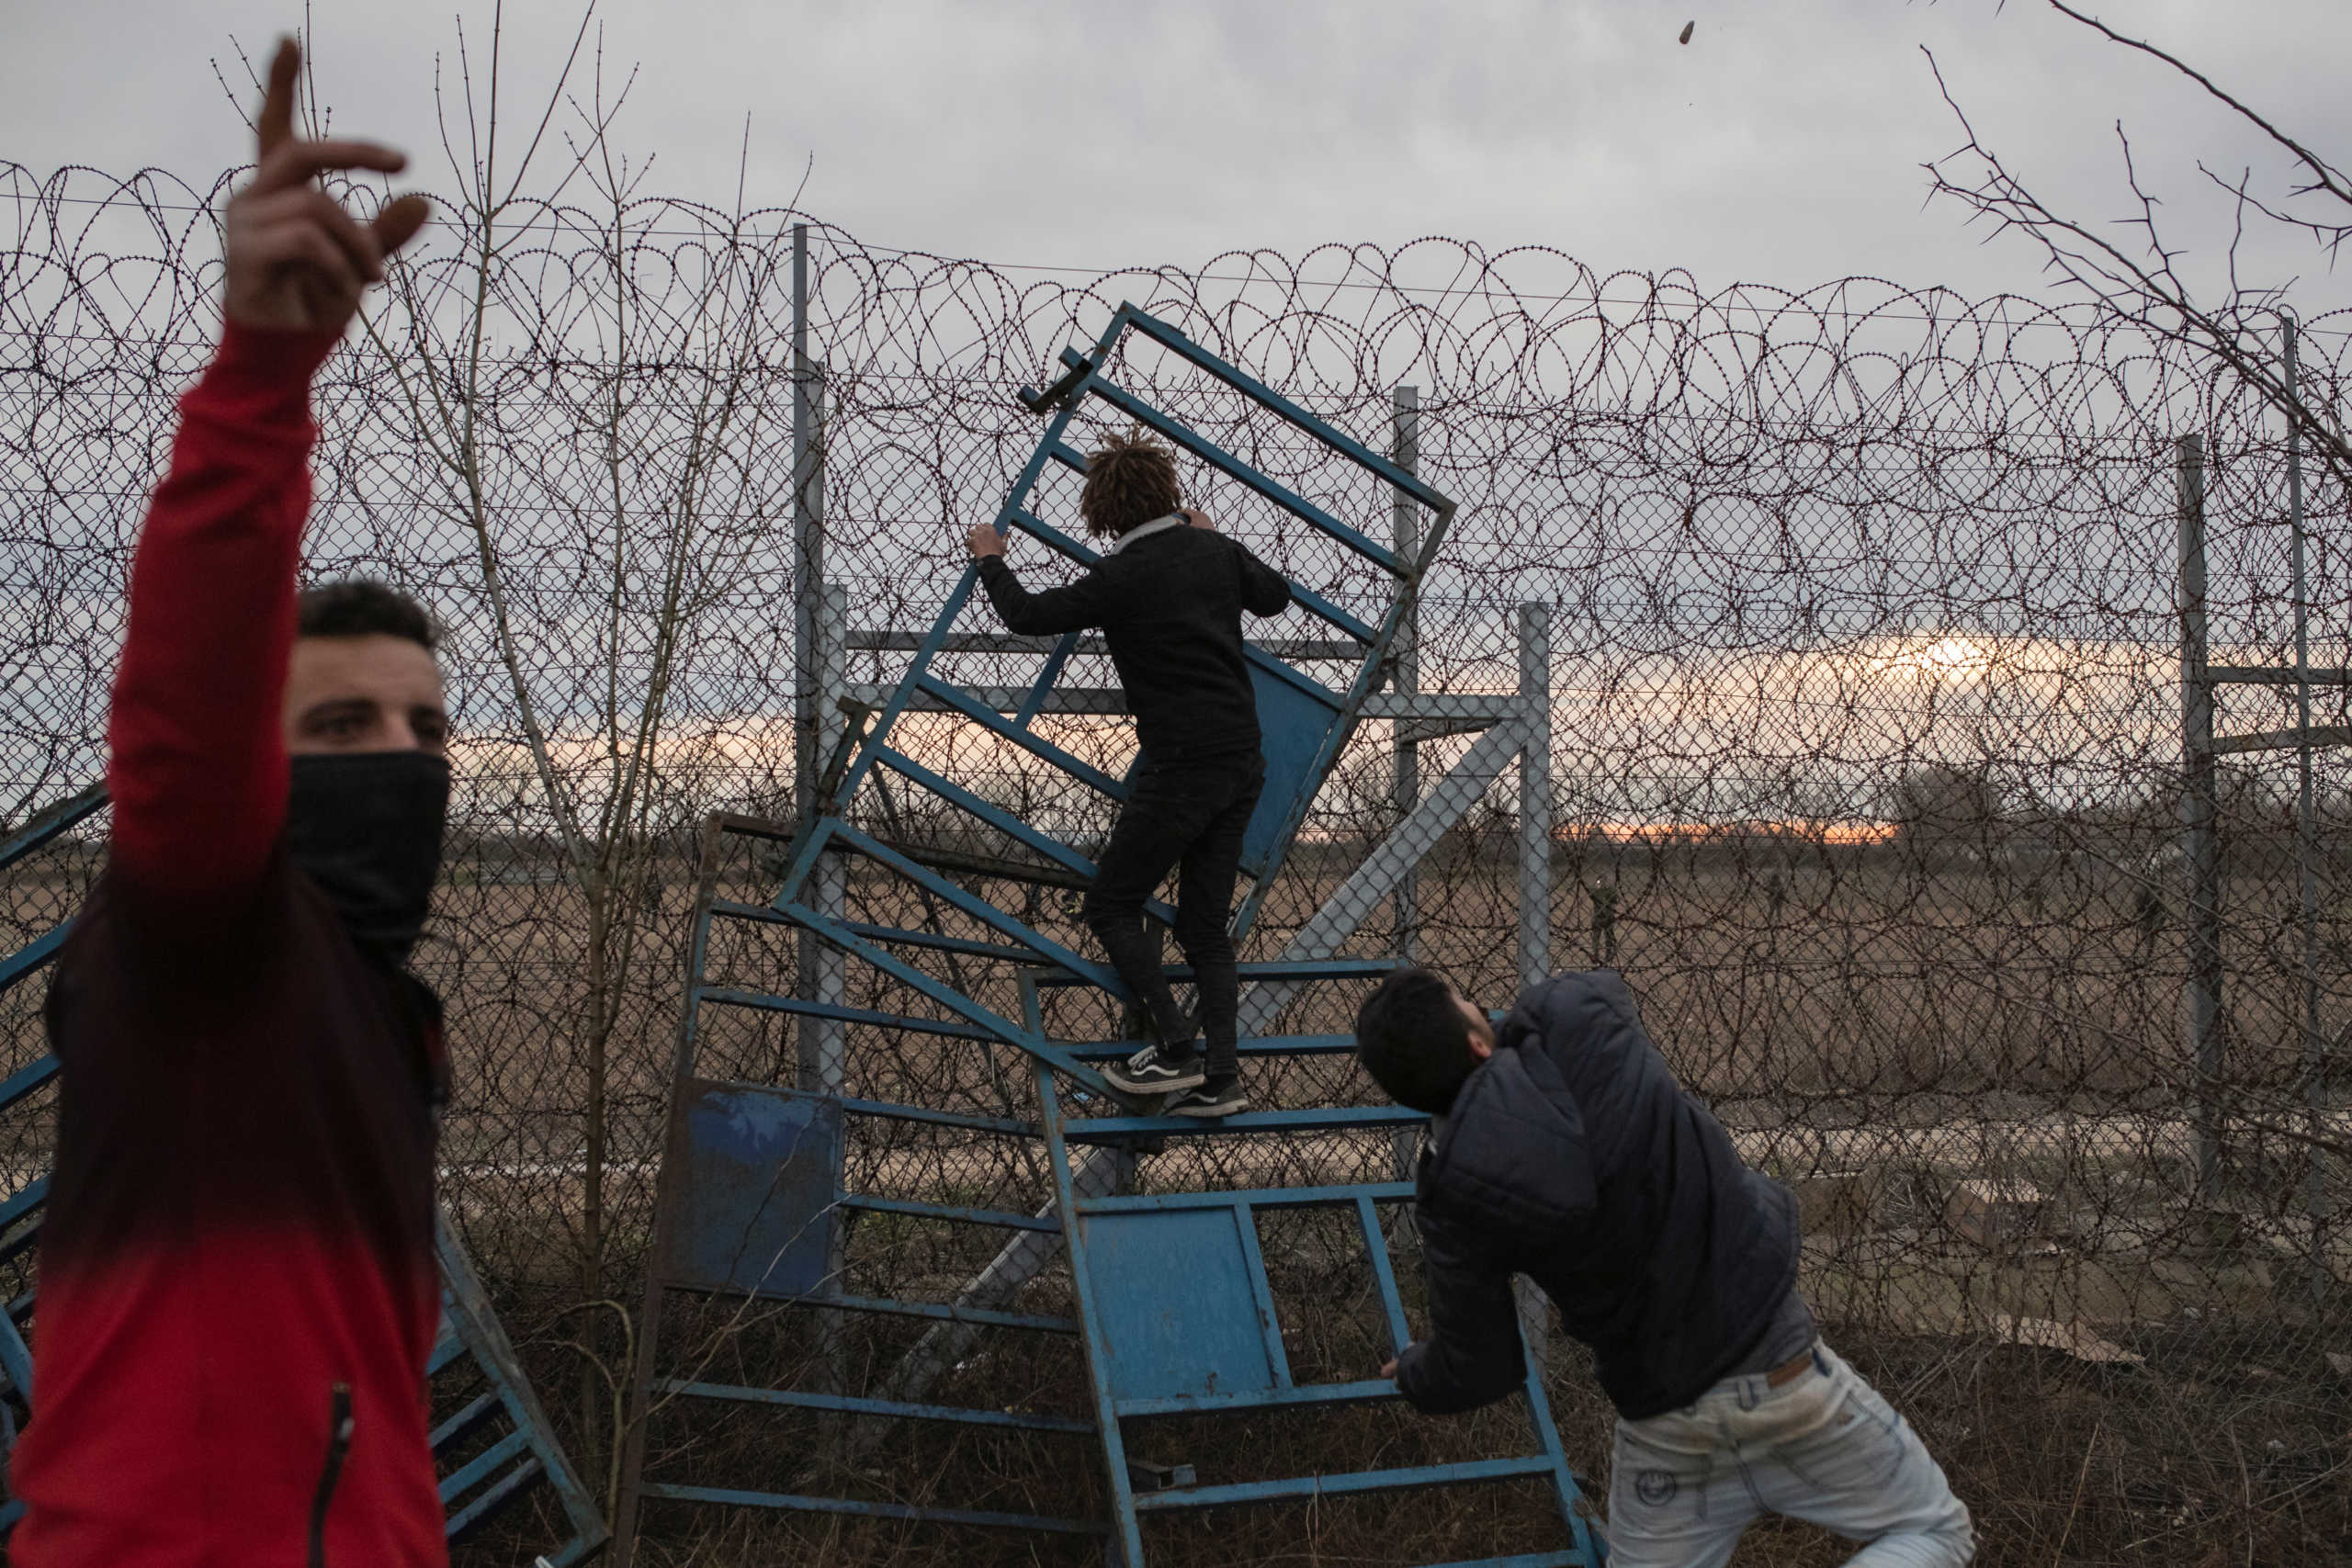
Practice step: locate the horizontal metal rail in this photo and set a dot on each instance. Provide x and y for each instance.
(1251, 1046)
(1345, 1483)
(2276, 739)
(1004, 1218)
(768, 1001)
(1089, 1129)
(796, 1399)
(911, 1513)
(1254, 1198)
(1367, 1392)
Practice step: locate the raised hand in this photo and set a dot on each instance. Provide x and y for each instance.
(296, 261)
(984, 540)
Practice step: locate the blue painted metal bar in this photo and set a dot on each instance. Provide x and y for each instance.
(464, 1423)
(1283, 1046)
(1276, 969)
(896, 1112)
(1340, 1485)
(1256, 1198)
(1234, 468)
(1261, 1294)
(476, 1514)
(796, 1399)
(947, 1312)
(763, 914)
(459, 1482)
(16, 1362)
(899, 936)
(1002, 1028)
(445, 1350)
(1004, 1218)
(912, 1514)
(1127, 1534)
(30, 956)
(21, 1240)
(1003, 822)
(1370, 1391)
(1086, 1129)
(32, 1075)
(1159, 332)
(768, 1003)
(1563, 1480)
(45, 826)
(24, 1201)
(1046, 948)
(1383, 1273)
(1056, 661)
(468, 1318)
(1037, 745)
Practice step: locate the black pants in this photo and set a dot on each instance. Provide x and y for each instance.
(1190, 815)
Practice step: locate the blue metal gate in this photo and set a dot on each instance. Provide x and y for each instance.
(766, 1188)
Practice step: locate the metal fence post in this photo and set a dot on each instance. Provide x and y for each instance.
(830, 894)
(2199, 847)
(2307, 833)
(1405, 413)
(1534, 873)
(808, 544)
(1405, 517)
(1536, 795)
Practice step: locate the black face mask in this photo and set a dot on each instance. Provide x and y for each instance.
(367, 826)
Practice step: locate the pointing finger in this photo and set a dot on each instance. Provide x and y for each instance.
(397, 224)
(293, 162)
(276, 125)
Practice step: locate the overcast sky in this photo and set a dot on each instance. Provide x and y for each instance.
(1781, 145)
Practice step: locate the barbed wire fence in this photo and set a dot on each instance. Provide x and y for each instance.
(1867, 715)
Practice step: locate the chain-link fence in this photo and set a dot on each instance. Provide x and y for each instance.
(1866, 756)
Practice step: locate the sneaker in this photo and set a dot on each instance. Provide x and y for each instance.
(1210, 1101)
(1156, 1070)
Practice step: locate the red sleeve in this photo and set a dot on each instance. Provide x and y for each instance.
(197, 768)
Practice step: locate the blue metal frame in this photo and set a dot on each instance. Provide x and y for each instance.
(678, 1207)
(1106, 1370)
(829, 831)
(470, 1340)
(1316, 720)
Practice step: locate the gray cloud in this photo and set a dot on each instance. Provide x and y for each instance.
(1782, 144)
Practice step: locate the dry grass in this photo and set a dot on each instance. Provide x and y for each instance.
(1820, 1005)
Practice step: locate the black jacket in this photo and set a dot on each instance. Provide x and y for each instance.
(1574, 1158)
(1169, 605)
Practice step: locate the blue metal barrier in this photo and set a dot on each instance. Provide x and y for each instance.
(755, 1204)
(1181, 1317)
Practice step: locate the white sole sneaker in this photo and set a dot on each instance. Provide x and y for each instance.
(1144, 1075)
(1201, 1104)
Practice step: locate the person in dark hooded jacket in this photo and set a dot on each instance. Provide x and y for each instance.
(1563, 1148)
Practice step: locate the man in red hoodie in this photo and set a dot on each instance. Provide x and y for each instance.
(237, 1286)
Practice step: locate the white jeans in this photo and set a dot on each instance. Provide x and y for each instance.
(1823, 1447)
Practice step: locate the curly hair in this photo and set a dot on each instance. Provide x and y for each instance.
(1130, 481)
(361, 607)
